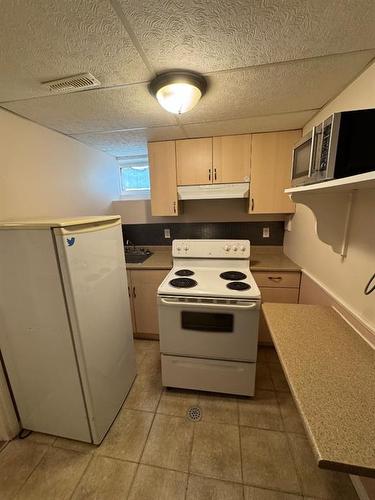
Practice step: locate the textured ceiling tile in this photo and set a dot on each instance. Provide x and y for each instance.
(288, 121)
(129, 142)
(214, 34)
(277, 88)
(95, 110)
(41, 41)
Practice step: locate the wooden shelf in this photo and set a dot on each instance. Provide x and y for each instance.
(361, 181)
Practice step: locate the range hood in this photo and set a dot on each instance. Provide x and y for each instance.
(213, 191)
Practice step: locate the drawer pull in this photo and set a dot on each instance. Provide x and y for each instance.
(275, 278)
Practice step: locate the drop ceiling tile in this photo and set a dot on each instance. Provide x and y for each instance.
(95, 110)
(215, 35)
(129, 142)
(277, 88)
(287, 121)
(41, 41)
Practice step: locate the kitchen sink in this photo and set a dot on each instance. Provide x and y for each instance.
(137, 257)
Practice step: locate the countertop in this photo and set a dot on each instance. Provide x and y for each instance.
(331, 373)
(263, 258)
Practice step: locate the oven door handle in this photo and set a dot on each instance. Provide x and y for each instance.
(250, 305)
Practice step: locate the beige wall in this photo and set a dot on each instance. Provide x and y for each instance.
(344, 278)
(235, 210)
(45, 173)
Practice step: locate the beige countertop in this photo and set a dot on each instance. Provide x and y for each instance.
(331, 373)
(263, 258)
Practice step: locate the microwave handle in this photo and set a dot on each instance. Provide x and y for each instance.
(312, 150)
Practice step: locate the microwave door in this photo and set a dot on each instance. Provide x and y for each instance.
(301, 161)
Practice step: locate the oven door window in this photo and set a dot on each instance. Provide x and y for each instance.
(206, 321)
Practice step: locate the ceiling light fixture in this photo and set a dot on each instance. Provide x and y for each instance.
(178, 91)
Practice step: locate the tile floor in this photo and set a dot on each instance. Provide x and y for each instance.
(242, 449)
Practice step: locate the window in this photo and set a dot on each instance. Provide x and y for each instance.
(134, 177)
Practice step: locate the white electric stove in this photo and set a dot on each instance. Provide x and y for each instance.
(208, 317)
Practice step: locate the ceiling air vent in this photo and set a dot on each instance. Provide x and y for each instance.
(72, 83)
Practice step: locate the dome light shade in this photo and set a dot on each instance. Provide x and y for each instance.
(178, 91)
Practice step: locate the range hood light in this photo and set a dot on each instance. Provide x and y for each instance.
(178, 91)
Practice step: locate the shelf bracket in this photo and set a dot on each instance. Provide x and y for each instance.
(332, 211)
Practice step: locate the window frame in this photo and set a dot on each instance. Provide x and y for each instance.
(133, 161)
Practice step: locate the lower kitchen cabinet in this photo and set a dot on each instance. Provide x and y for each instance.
(276, 287)
(143, 285)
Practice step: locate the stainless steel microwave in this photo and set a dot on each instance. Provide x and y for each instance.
(341, 146)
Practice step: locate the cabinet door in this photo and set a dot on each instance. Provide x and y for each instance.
(271, 160)
(194, 161)
(162, 161)
(144, 289)
(129, 276)
(231, 158)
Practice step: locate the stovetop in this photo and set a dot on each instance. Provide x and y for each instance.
(207, 282)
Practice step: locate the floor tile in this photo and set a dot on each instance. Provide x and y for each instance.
(169, 443)
(152, 483)
(219, 408)
(17, 461)
(278, 377)
(105, 479)
(145, 393)
(261, 411)
(267, 354)
(151, 363)
(127, 436)
(267, 461)
(71, 444)
(216, 451)
(289, 413)
(204, 488)
(176, 402)
(146, 345)
(56, 476)
(252, 493)
(317, 482)
(38, 437)
(263, 377)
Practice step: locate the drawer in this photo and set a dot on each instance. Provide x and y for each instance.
(275, 279)
(283, 295)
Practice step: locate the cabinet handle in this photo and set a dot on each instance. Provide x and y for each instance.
(275, 278)
(215, 176)
(129, 291)
(209, 174)
(174, 207)
(134, 294)
(252, 204)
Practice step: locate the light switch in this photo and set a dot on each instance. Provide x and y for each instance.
(167, 233)
(266, 232)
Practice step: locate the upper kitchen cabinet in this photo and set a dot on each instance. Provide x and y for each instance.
(194, 161)
(231, 158)
(162, 161)
(271, 157)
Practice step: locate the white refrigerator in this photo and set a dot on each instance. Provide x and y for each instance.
(65, 324)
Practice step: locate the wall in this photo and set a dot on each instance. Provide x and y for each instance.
(45, 173)
(231, 210)
(344, 278)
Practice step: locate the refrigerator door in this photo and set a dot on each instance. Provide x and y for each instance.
(94, 274)
(35, 336)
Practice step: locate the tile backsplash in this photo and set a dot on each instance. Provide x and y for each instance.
(154, 234)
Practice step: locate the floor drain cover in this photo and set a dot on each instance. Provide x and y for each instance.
(194, 413)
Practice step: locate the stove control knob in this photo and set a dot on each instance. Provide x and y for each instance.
(186, 249)
(234, 248)
(242, 248)
(178, 249)
(227, 248)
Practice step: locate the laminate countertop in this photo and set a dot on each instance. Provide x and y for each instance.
(263, 258)
(331, 373)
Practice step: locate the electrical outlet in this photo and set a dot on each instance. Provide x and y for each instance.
(266, 232)
(167, 233)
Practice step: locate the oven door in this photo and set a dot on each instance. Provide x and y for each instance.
(209, 328)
